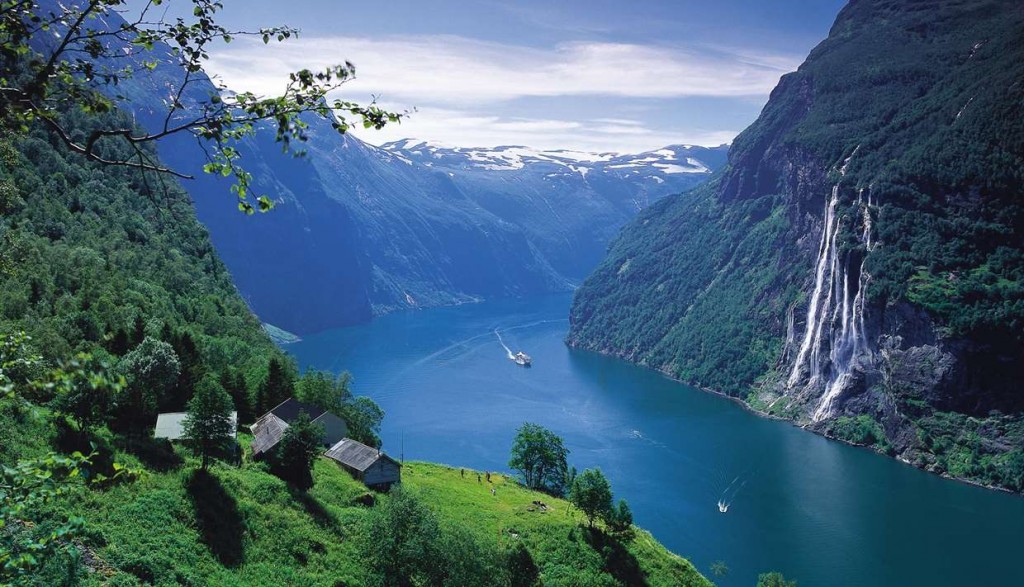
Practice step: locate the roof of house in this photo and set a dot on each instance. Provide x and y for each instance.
(171, 425)
(267, 432)
(335, 428)
(356, 455)
(269, 429)
(289, 409)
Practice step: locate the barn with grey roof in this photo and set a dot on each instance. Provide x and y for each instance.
(367, 464)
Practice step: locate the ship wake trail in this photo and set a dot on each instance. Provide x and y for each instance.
(511, 355)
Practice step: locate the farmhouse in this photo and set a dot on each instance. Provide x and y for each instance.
(367, 464)
(269, 428)
(171, 425)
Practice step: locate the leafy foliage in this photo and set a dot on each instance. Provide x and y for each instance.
(592, 494)
(621, 518)
(151, 369)
(19, 362)
(277, 386)
(100, 258)
(299, 448)
(540, 457)
(23, 488)
(84, 390)
(334, 394)
(94, 52)
(408, 546)
(862, 429)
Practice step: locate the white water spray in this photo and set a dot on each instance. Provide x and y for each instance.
(726, 500)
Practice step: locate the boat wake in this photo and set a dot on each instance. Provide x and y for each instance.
(730, 493)
(511, 355)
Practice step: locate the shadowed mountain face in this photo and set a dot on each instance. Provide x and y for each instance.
(858, 266)
(359, 231)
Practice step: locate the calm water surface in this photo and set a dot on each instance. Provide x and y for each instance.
(818, 511)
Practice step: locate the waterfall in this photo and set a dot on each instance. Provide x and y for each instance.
(813, 326)
(835, 313)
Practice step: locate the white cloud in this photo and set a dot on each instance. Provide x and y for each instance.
(459, 71)
(456, 127)
(465, 90)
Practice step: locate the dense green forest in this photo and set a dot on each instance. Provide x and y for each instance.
(914, 110)
(97, 258)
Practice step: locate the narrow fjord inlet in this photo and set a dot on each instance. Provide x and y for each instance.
(552, 294)
(815, 509)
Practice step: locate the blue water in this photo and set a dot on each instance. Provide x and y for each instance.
(820, 512)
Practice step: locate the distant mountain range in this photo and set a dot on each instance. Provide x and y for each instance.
(359, 231)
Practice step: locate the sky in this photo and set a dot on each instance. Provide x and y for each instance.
(590, 75)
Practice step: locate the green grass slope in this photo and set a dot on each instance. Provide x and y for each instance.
(243, 526)
(565, 552)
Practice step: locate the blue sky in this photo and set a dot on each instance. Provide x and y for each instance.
(595, 75)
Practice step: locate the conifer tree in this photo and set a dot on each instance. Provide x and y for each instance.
(208, 425)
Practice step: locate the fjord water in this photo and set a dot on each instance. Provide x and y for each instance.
(820, 512)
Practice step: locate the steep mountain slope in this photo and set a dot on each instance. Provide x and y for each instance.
(93, 258)
(858, 266)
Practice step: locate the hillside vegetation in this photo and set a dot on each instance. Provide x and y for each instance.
(176, 524)
(110, 262)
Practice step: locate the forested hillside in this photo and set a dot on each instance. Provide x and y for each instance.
(858, 266)
(96, 258)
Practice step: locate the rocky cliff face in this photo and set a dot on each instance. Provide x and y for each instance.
(857, 266)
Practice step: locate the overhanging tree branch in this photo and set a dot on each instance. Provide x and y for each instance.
(98, 49)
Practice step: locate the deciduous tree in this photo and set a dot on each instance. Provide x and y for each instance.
(85, 390)
(297, 451)
(150, 369)
(540, 458)
(592, 494)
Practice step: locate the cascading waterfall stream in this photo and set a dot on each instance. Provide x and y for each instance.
(835, 313)
(849, 339)
(813, 325)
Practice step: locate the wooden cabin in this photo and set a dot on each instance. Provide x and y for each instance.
(269, 428)
(367, 464)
